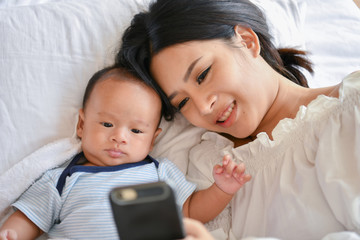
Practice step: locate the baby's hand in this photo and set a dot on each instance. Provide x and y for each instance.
(230, 177)
(195, 230)
(8, 234)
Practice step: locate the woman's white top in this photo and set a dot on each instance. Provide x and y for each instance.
(306, 181)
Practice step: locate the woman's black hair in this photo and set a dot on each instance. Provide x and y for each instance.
(169, 22)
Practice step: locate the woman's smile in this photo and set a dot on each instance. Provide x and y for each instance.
(226, 113)
(228, 116)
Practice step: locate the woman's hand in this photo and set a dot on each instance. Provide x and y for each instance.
(195, 230)
(229, 176)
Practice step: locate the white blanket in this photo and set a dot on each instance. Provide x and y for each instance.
(17, 179)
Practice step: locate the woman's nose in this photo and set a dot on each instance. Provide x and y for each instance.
(204, 103)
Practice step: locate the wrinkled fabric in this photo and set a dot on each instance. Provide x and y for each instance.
(306, 181)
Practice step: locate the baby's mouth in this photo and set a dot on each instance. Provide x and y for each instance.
(115, 153)
(226, 113)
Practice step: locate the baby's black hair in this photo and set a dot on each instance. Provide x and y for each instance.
(99, 75)
(125, 75)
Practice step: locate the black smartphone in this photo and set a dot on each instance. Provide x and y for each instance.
(146, 211)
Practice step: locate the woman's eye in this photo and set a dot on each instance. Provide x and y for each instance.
(182, 103)
(106, 124)
(136, 131)
(202, 76)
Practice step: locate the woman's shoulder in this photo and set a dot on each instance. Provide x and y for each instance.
(333, 102)
(350, 84)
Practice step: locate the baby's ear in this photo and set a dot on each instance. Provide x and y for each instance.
(248, 38)
(80, 123)
(157, 132)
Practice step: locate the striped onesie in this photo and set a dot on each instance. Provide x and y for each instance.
(78, 206)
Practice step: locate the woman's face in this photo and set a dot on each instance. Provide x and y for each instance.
(215, 85)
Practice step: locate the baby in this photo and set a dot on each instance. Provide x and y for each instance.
(117, 125)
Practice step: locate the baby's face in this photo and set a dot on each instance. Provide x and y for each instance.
(120, 122)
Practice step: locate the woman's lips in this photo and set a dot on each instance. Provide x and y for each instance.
(226, 113)
(227, 116)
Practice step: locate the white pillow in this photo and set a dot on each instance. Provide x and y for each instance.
(18, 3)
(333, 41)
(48, 53)
(49, 50)
(286, 19)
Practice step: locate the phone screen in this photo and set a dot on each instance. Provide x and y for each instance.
(146, 211)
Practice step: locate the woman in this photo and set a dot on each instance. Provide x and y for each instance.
(214, 62)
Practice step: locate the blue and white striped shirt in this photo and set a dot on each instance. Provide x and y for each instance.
(83, 209)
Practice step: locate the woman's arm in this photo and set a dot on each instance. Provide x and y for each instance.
(206, 204)
(18, 226)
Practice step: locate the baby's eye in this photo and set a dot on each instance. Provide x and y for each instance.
(136, 131)
(106, 124)
(202, 76)
(182, 103)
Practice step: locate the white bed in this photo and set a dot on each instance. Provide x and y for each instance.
(50, 48)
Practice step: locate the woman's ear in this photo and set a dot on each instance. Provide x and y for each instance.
(80, 123)
(248, 38)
